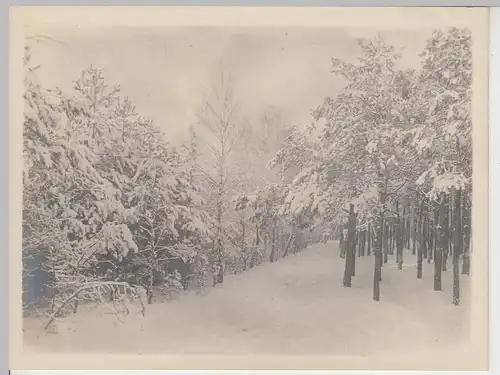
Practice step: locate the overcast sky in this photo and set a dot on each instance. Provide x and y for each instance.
(162, 70)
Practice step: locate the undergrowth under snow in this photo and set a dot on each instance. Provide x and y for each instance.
(295, 306)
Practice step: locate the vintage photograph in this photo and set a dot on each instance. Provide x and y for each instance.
(248, 190)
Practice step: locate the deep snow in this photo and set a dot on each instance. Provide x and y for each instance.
(297, 305)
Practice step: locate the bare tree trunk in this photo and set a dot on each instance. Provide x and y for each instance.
(342, 243)
(389, 240)
(442, 244)
(415, 231)
(220, 275)
(403, 230)
(273, 245)
(433, 233)
(285, 252)
(369, 240)
(435, 237)
(408, 228)
(350, 256)
(431, 236)
(365, 241)
(347, 280)
(449, 202)
(383, 182)
(243, 247)
(414, 227)
(219, 251)
(399, 234)
(358, 241)
(392, 239)
(149, 290)
(457, 248)
(253, 259)
(421, 242)
(354, 245)
(377, 249)
(386, 241)
(427, 212)
(467, 236)
(220, 263)
(284, 240)
(362, 242)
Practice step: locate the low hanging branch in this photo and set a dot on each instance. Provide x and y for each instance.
(96, 286)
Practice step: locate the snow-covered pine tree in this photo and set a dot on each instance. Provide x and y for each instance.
(106, 180)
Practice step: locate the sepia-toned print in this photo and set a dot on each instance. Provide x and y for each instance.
(249, 191)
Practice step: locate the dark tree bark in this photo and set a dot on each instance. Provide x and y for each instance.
(391, 239)
(415, 230)
(400, 238)
(446, 229)
(457, 248)
(243, 247)
(342, 243)
(272, 257)
(281, 242)
(369, 241)
(290, 239)
(350, 256)
(220, 275)
(353, 259)
(383, 182)
(442, 242)
(425, 229)
(276, 241)
(403, 230)
(428, 235)
(408, 228)
(149, 288)
(386, 241)
(436, 232)
(377, 249)
(421, 242)
(467, 235)
(431, 234)
(358, 242)
(363, 242)
(452, 223)
(257, 237)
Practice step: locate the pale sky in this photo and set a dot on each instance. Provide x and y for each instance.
(162, 70)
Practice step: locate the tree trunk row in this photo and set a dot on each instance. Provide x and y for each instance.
(434, 230)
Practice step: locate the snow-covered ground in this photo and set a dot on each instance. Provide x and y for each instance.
(295, 306)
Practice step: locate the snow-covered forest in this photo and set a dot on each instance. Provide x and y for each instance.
(370, 201)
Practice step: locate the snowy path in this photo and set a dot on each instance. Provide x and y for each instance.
(297, 305)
